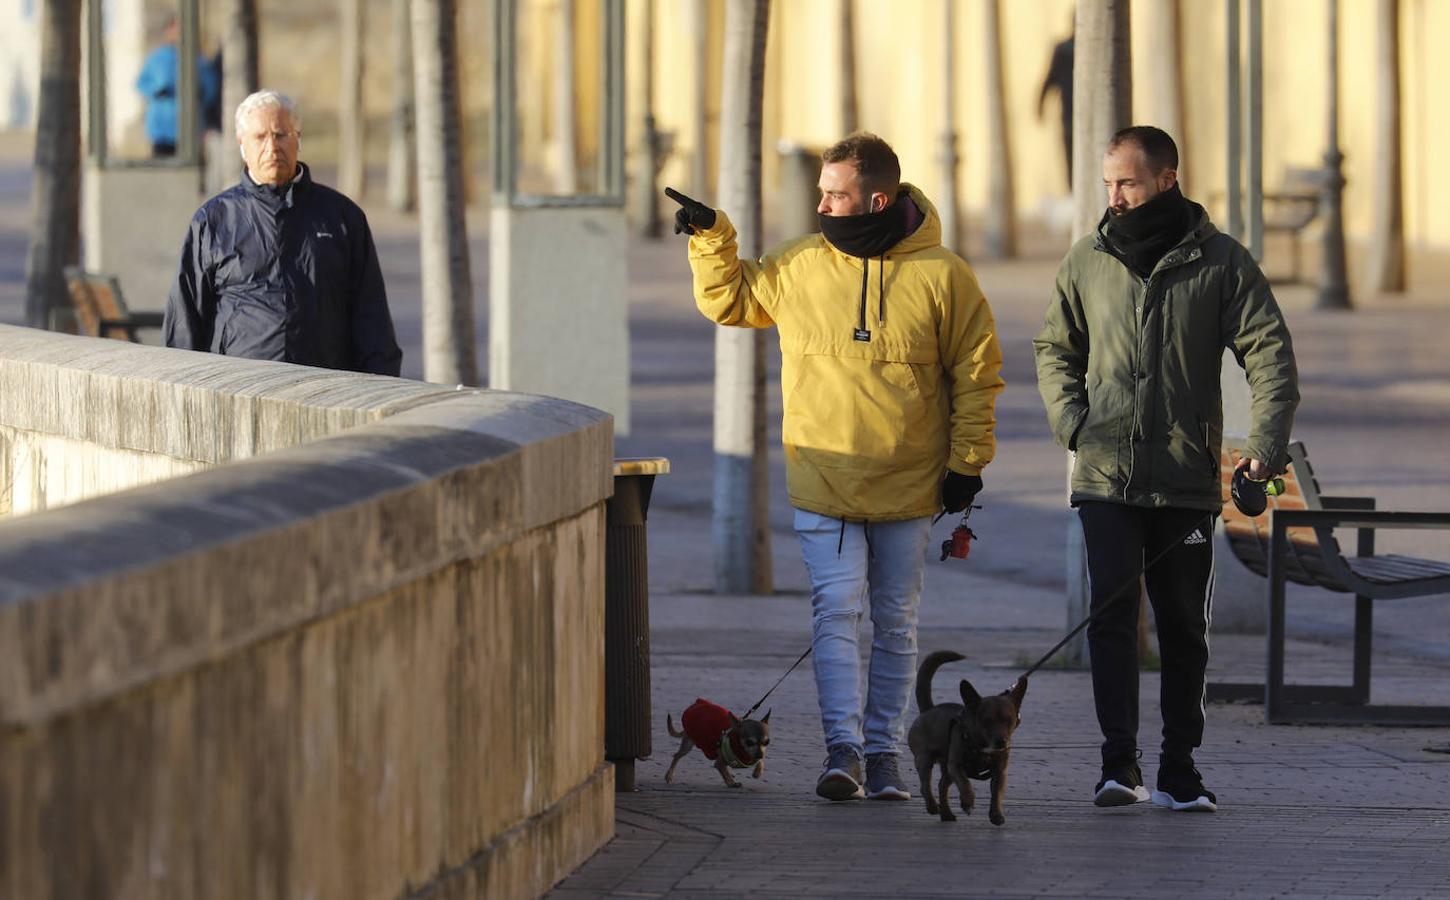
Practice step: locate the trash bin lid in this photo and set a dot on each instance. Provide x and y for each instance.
(642, 465)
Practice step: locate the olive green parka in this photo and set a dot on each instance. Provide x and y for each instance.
(1129, 369)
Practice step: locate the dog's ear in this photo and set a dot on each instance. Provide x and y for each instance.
(1018, 691)
(734, 721)
(765, 720)
(970, 698)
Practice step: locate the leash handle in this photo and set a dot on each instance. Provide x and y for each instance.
(777, 683)
(1115, 596)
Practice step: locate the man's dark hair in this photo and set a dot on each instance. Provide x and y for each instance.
(1158, 148)
(876, 163)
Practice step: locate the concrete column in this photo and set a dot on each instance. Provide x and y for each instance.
(566, 171)
(560, 330)
(1387, 246)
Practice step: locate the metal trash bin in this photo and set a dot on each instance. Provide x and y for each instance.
(626, 617)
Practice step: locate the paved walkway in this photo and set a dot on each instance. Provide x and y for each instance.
(1305, 811)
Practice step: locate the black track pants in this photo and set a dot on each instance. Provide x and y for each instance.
(1120, 539)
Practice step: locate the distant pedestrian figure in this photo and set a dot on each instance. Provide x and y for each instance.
(158, 84)
(280, 267)
(1059, 78)
(1128, 363)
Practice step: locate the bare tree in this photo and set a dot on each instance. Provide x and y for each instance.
(351, 124)
(850, 109)
(647, 153)
(1387, 247)
(1102, 98)
(402, 144)
(948, 206)
(55, 191)
(566, 175)
(698, 17)
(999, 233)
(448, 351)
(1165, 74)
(741, 511)
(240, 67)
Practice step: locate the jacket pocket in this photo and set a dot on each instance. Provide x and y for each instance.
(1207, 447)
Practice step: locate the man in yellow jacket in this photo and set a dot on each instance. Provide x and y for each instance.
(890, 369)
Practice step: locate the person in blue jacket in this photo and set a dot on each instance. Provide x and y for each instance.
(280, 267)
(158, 84)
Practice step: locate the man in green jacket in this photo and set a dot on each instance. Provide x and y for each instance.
(1128, 364)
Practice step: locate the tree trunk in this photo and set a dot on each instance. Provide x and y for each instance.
(55, 189)
(1387, 248)
(699, 20)
(448, 351)
(850, 111)
(647, 152)
(402, 160)
(948, 206)
(240, 65)
(1165, 76)
(351, 124)
(741, 523)
(999, 235)
(566, 174)
(1102, 94)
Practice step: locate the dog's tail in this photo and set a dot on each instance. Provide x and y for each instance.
(670, 726)
(924, 674)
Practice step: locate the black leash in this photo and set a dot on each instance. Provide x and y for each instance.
(777, 684)
(1116, 595)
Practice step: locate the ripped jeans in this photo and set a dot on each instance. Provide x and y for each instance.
(882, 562)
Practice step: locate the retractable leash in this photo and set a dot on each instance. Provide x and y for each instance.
(1251, 498)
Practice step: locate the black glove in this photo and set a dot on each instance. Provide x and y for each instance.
(958, 491)
(692, 213)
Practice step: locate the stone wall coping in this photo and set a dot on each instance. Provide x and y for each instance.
(111, 592)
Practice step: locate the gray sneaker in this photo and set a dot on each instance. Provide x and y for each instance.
(841, 779)
(883, 780)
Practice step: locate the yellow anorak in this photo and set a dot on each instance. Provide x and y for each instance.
(870, 426)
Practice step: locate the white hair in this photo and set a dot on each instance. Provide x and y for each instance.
(266, 100)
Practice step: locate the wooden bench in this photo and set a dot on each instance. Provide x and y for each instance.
(1294, 541)
(1290, 209)
(97, 308)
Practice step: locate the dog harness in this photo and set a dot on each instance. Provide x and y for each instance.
(709, 725)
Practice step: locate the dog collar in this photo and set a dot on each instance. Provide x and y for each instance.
(733, 752)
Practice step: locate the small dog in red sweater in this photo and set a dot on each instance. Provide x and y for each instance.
(729, 742)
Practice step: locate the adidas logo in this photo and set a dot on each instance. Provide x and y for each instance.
(1195, 538)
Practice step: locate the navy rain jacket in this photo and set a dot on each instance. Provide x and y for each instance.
(287, 274)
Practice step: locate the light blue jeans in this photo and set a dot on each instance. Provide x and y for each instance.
(881, 562)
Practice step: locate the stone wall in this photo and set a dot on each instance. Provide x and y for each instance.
(367, 663)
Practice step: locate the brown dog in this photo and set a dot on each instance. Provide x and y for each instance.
(727, 741)
(971, 739)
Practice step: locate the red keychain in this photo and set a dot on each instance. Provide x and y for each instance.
(959, 545)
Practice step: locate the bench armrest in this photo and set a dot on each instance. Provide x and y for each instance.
(1346, 502)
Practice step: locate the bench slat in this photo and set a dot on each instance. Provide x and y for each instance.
(1395, 569)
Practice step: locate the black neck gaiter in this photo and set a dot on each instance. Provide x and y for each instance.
(871, 234)
(1144, 235)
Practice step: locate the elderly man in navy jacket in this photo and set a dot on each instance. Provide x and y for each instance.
(279, 267)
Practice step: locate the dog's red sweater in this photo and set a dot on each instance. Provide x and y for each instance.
(705, 722)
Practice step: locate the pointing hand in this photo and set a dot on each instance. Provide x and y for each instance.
(692, 213)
